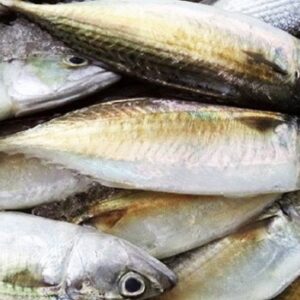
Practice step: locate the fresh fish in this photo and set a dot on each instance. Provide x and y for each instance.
(229, 57)
(256, 263)
(43, 259)
(27, 182)
(292, 292)
(38, 73)
(169, 224)
(284, 14)
(171, 146)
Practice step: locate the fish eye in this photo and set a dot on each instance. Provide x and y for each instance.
(132, 285)
(75, 61)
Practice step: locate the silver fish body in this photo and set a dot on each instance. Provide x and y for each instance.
(229, 57)
(26, 183)
(43, 259)
(39, 73)
(171, 146)
(168, 224)
(258, 262)
(283, 14)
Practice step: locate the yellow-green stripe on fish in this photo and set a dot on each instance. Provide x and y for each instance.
(201, 49)
(171, 146)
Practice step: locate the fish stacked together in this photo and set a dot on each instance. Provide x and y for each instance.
(180, 181)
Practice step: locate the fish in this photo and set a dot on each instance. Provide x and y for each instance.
(258, 262)
(283, 14)
(25, 183)
(228, 58)
(172, 146)
(292, 292)
(39, 73)
(45, 259)
(169, 224)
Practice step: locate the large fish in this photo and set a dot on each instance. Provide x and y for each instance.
(38, 73)
(168, 224)
(43, 259)
(230, 57)
(256, 263)
(27, 182)
(171, 146)
(284, 14)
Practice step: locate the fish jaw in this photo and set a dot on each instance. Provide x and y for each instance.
(87, 265)
(43, 83)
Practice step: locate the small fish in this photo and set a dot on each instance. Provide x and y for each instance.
(39, 73)
(26, 183)
(45, 260)
(170, 146)
(228, 57)
(292, 292)
(283, 14)
(168, 224)
(258, 262)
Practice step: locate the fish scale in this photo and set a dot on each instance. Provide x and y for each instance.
(284, 14)
(170, 146)
(200, 49)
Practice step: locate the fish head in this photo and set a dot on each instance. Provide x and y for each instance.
(43, 81)
(106, 267)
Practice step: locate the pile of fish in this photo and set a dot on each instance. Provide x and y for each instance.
(150, 150)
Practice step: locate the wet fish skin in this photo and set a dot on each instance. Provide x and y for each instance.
(233, 59)
(38, 73)
(45, 259)
(170, 146)
(283, 14)
(258, 262)
(168, 224)
(26, 183)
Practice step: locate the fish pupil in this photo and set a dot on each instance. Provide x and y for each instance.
(133, 285)
(76, 60)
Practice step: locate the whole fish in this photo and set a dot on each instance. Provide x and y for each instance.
(256, 263)
(283, 14)
(43, 259)
(27, 182)
(229, 57)
(168, 224)
(292, 292)
(171, 146)
(38, 73)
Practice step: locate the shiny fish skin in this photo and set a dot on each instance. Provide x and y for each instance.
(168, 224)
(27, 182)
(258, 262)
(171, 146)
(200, 49)
(283, 14)
(36, 73)
(43, 259)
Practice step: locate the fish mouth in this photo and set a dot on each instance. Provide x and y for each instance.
(90, 85)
